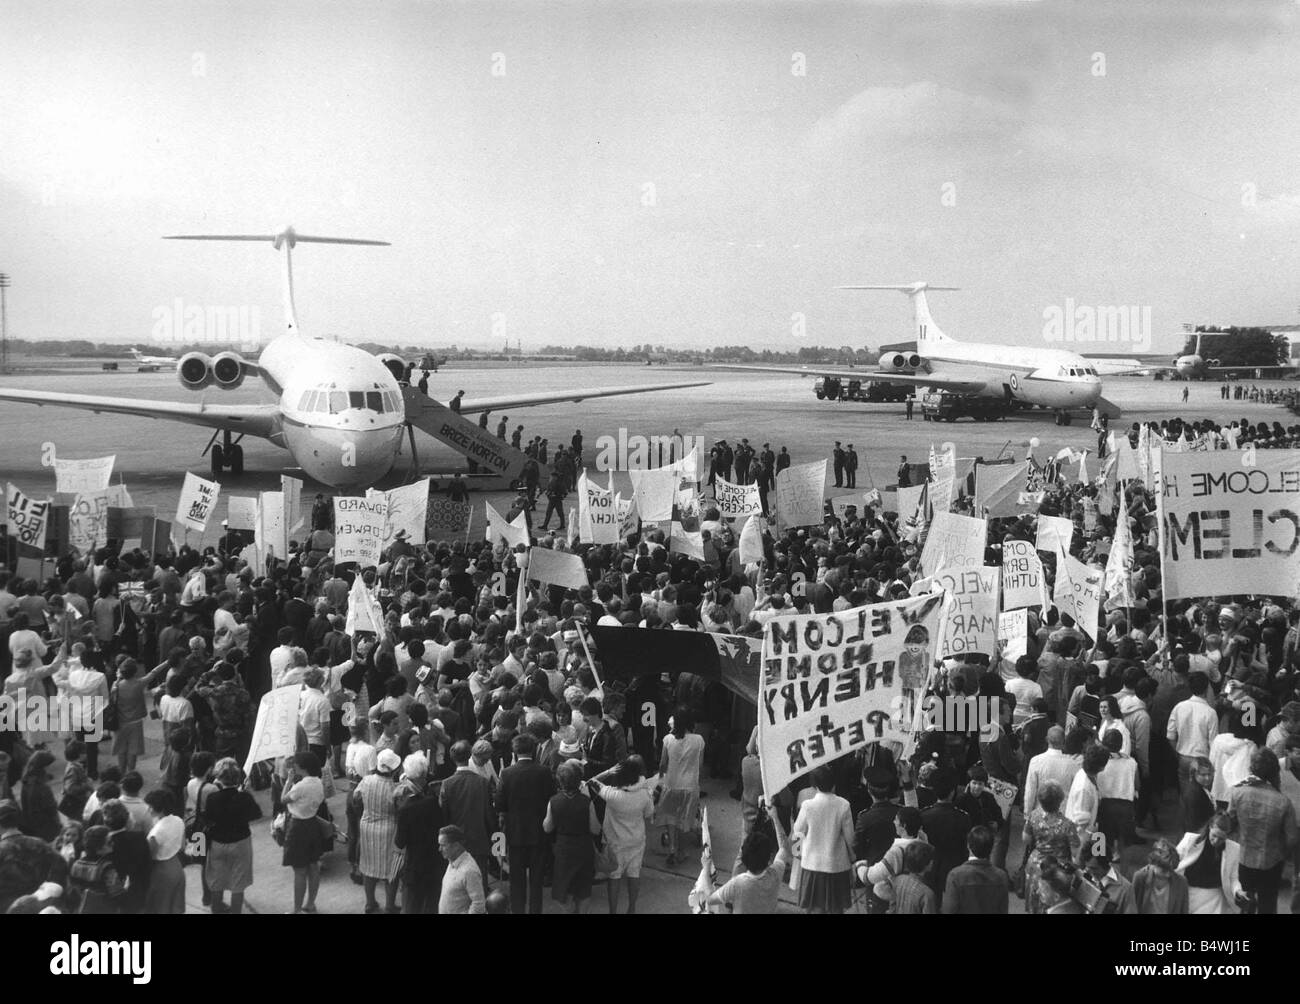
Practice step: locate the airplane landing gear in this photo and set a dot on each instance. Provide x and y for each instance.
(229, 455)
(1064, 418)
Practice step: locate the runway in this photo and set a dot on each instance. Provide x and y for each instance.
(152, 455)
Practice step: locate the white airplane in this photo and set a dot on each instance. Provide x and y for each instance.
(1049, 378)
(1189, 365)
(144, 360)
(338, 409)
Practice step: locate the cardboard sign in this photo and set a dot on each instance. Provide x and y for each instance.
(88, 522)
(954, 542)
(407, 510)
(1023, 581)
(799, 492)
(241, 512)
(28, 519)
(198, 500)
(971, 613)
(276, 732)
(1013, 633)
(736, 501)
(1054, 533)
(74, 477)
(359, 529)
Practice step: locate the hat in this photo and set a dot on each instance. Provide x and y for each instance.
(40, 760)
(400, 535)
(387, 762)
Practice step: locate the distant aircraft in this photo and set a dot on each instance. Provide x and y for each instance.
(1190, 366)
(144, 360)
(1050, 378)
(338, 409)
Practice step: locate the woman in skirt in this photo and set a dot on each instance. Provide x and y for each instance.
(571, 817)
(680, 770)
(127, 696)
(823, 838)
(224, 815)
(304, 841)
(166, 841)
(376, 796)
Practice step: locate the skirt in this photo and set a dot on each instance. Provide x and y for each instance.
(379, 858)
(303, 842)
(824, 891)
(166, 893)
(1206, 901)
(678, 807)
(230, 866)
(128, 740)
(574, 868)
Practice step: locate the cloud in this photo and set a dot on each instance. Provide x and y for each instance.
(921, 112)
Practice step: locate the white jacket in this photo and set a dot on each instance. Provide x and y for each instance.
(1189, 851)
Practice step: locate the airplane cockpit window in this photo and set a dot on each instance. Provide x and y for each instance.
(338, 402)
(304, 403)
(374, 400)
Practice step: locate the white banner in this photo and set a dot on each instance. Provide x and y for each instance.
(1118, 580)
(736, 501)
(364, 611)
(833, 683)
(73, 477)
(1078, 592)
(407, 508)
(276, 732)
(241, 512)
(1013, 632)
(971, 614)
(269, 533)
(687, 542)
(515, 534)
(941, 493)
(654, 492)
(954, 542)
(293, 515)
(1054, 533)
(799, 492)
(559, 568)
(751, 540)
(597, 518)
(197, 502)
(88, 522)
(359, 530)
(841, 504)
(998, 488)
(1230, 523)
(1023, 581)
(28, 518)
(119, 497)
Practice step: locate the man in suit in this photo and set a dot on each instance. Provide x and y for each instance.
(851, 467)
(525, 791)
(465, 802)
(418, 823)
(945, 828)
(977, 886)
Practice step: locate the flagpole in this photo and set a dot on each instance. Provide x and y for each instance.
(522, 596)
(582, 637)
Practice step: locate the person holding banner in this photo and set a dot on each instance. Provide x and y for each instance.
(823, 841)
(629, 808)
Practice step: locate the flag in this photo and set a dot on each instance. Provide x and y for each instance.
(698, 897)
(654, 492)
(687, 542)
(557, 568)
(1119, 565)
(364, 613)
(515, 533)
(732, 660)
(751, 540)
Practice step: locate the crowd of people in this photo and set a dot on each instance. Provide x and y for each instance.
(483, 759)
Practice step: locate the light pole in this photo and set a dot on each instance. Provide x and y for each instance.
(4, 325)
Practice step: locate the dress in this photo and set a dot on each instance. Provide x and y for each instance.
(574, 866)
(627, 810)
(379, 857)
(1053, 835)
(681, 796)
(128, 695)
(167, 878)
(226, 814)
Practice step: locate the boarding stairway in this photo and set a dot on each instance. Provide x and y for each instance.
(500, 466)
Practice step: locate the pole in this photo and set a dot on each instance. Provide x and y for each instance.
(582, 637)
(4, 324)
(521, 598)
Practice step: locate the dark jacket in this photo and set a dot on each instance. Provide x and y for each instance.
(465, 799)
(976, 887)
(129, 850)
(525, 790)
(418, 823)
(874, 833)
(945, 828)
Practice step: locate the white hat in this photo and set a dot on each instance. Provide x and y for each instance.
(387, 761)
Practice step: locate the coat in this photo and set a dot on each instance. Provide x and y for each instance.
(976, 887)
(1178, 895)
(524, 792)
(1189, 851)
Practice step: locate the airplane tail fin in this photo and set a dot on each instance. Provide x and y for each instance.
(284, 240)
(136, 354)
(926, 331)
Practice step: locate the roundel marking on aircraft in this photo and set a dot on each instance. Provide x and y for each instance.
(1015, 383)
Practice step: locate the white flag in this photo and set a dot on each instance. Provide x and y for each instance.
(364, 612)
(559, 568)
(1119, 565)
(687, 542)
(515, 534)
(751, 540)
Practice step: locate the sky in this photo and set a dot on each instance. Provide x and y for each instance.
(686, 174)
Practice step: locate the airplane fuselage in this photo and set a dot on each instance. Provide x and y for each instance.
(341, 412)
(1050, 378)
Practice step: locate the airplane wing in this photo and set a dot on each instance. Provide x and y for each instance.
(577, 394)
(936, 380)
(251, 419)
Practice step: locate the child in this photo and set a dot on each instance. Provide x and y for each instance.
(76, 783)
(93, 876)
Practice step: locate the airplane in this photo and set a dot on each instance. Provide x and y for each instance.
(1048, 378)
(1189, 366)
(338, 410)
(144, 360)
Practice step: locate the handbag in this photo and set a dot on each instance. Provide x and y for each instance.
(196, 832)
(112, 720)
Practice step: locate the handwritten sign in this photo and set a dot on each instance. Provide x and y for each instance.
(359, 529)
(28, 518)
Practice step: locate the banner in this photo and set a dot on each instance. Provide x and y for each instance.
(1013, 633)
(954, 542)
(691, 466)
(799, 491)
(628, 520)
(841, 504)
(1054, 534)
(909, 501)
(443, 516)
(88, 522)
(269, 535)
(407, 509)
(751, 540)
(276, 732)
(119, 497)
(1128, 467)
(293, 515)
(28, 519)
(1023, 581)
(736, 501)
(1230, 523)
(1078, 592)
(971, 612)
(1118, 580)
(76, 477)
(241, 512)
(654, 492)
(687, 542)
(833, 683)
(941, 492)
(359, 530)
(597, 518)
(364, 612)
(557, 568)
(514, 534)
(198, 499)
(998, 488)
(732, 660)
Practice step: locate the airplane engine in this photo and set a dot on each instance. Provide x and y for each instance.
(195, 371)
(395, 363)
(900, 361)
(229, 370)
(913, 360)
(1211, 362)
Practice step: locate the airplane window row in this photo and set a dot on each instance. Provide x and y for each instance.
(335, 402)
(1076, 371)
